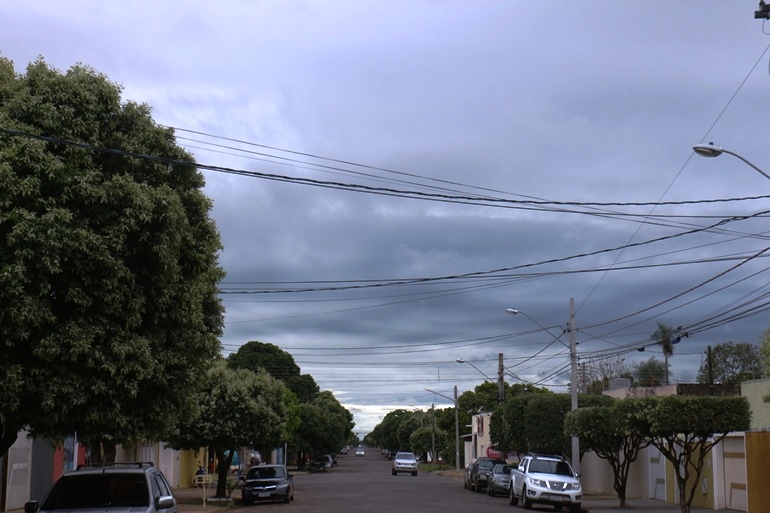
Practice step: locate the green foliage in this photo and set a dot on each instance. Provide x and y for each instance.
(732, 363)
(325, 425)
(278, 363)
(686, 428)
(423, 440)
(650, 373)
(109, 263)
(237, 408)
(610, 433)
(385, 434)
(534, 422)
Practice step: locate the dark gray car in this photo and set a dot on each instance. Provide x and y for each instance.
(109, 488)
(268, 483)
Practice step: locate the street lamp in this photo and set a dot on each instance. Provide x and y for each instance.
(573, 371)
(709, 150)
(460, 360)
(457, 426)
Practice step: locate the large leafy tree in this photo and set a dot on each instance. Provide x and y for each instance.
(278, 363)
(108, 263)
(650, 373)
(534, 422)
(731, 363)
(608, 431)
(685, 429)
(325, 426)
(237, 408)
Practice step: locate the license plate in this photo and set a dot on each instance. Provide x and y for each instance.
(264, 494)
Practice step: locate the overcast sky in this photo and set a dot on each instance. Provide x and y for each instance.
(550, 142)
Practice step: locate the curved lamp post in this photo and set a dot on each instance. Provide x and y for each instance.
(460, 360)
(457, 426)
(710, 150)
(573, 372)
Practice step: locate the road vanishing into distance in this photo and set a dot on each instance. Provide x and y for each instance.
(364, 484)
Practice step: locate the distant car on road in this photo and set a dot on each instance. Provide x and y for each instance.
(360, 451)
(404, 462)
(268, 483)
(499, 480)
(109, 488)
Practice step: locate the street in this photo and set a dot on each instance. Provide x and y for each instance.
(365, 483)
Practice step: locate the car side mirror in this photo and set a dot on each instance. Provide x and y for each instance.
(577, 474)
(164, 502)
(30, 507)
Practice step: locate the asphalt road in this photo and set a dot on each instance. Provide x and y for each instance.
(364, 484)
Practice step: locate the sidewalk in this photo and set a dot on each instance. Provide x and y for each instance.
(190, 500)
(609, 504)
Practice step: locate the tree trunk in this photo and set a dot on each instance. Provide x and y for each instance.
(102, 451)
(223, 471)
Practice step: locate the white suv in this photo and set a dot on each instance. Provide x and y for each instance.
(404, 462)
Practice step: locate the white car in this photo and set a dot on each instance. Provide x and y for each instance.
(404, 462)
(360, 451)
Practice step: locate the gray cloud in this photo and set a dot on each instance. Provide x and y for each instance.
(582, 101)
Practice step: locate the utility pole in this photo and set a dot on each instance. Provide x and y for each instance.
(500, 380)
(573, 381)
(433, 457)
(457, 434)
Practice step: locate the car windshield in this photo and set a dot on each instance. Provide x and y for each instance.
(502, 469)
(550, 467)
(405, 456)
(98, 491)
(265, 473)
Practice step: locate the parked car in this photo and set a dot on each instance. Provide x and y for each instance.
(545, 480)
(499, 480)
(344, 450)
(404, 462)
(268, 483)
(322, 463)
(109, 488)
(467, 475)
(480, 471)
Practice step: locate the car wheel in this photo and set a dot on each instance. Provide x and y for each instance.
(526, 503)
(246, 502)
(575, 508)
(512, 500)
(393, 472)
(414, 473)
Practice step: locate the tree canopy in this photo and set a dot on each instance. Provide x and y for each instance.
(237, 408)
(685, 429)
(731, 363)
(278, 363)
(109, 262)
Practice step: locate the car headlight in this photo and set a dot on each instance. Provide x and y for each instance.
(536, 482)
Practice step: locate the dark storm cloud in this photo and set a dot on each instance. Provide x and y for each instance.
(581, 101)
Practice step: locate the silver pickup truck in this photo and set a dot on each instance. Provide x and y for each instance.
(545, 480)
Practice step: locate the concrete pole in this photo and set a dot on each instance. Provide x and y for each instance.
(500, 379)
(573, 381)
(457, 434)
